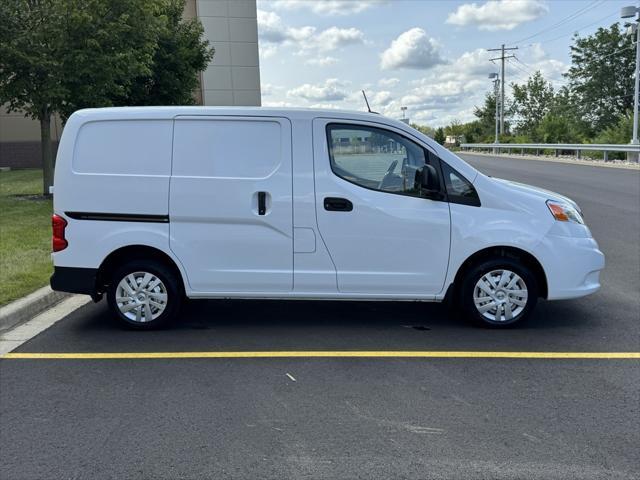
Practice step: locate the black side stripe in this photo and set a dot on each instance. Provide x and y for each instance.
(118, 217)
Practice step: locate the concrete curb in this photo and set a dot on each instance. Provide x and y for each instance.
(26, 308)
(540, 158)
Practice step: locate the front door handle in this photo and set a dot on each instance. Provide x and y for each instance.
(336, 204)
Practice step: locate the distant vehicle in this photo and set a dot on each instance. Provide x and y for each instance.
(155, 204)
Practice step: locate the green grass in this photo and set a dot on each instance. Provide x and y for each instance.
(25, 234)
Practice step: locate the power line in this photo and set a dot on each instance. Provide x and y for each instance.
(607, 99)
(532, 69)
(520, 76)
(527, 72)
(600, 57)
(570, 33)
(573, 16)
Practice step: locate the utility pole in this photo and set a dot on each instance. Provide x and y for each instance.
(634, 139)
(502, 58)
(634, 12)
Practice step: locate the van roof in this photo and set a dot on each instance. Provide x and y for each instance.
(170, 112)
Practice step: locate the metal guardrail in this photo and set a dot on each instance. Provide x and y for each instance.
(556, 147)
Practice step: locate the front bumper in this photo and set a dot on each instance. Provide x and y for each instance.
(74, 280)
(572, 265)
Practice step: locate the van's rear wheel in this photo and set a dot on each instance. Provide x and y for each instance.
(499, 293)
(144, 294)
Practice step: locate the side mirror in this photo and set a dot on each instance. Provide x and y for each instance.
(428, 182)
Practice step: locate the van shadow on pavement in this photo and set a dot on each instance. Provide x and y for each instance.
(324, 325)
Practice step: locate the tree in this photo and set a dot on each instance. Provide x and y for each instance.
(553, 129)
(57, 56)
(531, 102)
(61, 55)
(601, 76)
(473, 132)
(485, 127)
(455, 128)
(425, 129)
(565, 107)
(439, 136)
(621, 132)
(28, 55)
(180, 55)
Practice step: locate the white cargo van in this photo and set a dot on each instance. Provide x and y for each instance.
(152, 205)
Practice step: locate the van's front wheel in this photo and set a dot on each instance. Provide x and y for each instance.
(499, 293)
(144, 294)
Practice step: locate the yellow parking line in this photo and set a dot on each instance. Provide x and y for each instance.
(323, 354)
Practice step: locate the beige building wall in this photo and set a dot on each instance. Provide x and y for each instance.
(15, 127)
(232, 78)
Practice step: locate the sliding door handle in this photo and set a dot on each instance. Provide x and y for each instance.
(262, 203)
(336, 204)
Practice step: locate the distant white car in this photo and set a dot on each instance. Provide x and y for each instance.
(155, 204)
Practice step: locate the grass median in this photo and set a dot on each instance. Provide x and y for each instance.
(25, 234)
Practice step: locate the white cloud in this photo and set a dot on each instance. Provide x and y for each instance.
(498, 14)
(412, 49)
(278, 104)
(271, 28)
(321, 61)
(325, 105)
(331, 90)
(328, 7)
(334, 37)
(269, 89)
(382, 98)
(450, 92)
(273, 32)
(473, 64)
(388, 82)
(267, 50)
(441, 118)
(266, 89)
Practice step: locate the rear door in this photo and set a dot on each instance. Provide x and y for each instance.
(230, 203)
(383, 236)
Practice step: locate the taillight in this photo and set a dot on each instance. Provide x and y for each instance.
(58, 224)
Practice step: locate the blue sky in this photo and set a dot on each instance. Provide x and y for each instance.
(429, 56)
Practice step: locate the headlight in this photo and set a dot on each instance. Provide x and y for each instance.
(563, 212)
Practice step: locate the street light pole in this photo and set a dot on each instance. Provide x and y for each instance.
(498, 120)
(496, 81)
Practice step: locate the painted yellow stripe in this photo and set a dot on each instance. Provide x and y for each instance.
(323, 354)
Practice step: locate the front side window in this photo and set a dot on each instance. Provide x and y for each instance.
(375, 158)
(459, 189)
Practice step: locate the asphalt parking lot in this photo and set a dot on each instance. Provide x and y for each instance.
(348, 417)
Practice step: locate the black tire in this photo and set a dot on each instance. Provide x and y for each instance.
(170, 284)
(472, 277)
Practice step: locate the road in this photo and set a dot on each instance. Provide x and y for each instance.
(348, 417)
